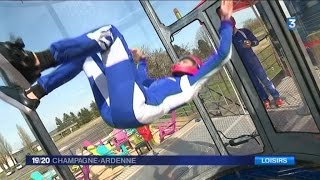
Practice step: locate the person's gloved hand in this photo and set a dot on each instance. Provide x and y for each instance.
(137, 54)
(247, 44)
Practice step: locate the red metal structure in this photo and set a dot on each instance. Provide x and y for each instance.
(237, 4)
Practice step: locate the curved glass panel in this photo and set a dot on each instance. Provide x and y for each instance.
(68, 113)
(308, 27)
(219, 96)
(274, 79)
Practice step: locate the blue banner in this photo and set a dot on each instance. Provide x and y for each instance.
(156, 160)
(275, 160)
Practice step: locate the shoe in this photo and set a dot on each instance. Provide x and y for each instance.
(22, 60)
(266, 104)
(17, 97)
(278, 102)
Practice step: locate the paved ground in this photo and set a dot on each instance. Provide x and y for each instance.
(193, 138)
(93, 131)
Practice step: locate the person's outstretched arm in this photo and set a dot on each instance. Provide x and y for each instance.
(216, 61)
(143, 72)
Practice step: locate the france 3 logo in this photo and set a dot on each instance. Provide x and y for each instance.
(291, 23)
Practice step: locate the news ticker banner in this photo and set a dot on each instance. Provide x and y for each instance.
(161, 160)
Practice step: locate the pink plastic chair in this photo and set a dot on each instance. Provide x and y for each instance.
(120, 137)
(85, 173)
(167, 128)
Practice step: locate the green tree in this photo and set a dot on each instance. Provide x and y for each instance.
(84, 116)
(6, 148)
(3, 161)
(159, 62)
(94, 109)
(66, 119)
(73, 118)
(25, 138)
(253, 25)
(59, 124)
(202, 35)
(181, 50)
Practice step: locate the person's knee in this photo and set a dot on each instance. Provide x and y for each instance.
(115, 32)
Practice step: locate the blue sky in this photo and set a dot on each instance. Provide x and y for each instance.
(33, 22)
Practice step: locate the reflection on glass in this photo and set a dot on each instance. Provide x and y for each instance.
(292, 114)
(218, 96)
(308, 27)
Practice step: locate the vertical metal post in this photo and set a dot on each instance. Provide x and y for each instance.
(164, 35)
(38, 129)
(297, 58)
(33, 120)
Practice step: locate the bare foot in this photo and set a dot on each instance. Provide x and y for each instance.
(31, 95)
(37, 63)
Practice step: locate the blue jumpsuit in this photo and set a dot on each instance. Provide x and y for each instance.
(251, 62)
(124, 94)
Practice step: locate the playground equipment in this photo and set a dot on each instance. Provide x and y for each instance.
(168, 127)
(120, 137)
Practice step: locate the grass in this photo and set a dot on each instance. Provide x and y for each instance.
(269, 60)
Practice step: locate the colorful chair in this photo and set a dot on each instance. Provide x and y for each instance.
(87, 145)
(146, 133)
(120, 137)
(85, 173)
(139, 143)
(102, 150)
(131, 131)
(49, 175)
(124, 150)
(36, 175)
(167, 128)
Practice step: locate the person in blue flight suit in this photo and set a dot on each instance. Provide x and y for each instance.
(244, 40)
(124, 94)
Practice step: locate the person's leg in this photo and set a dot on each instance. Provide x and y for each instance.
(68, 53)
(256, 83)
(263, 77)
(95, 71)
(92, 42)
(259, 87)
(30, 98)
(122, 80)
(29, 64)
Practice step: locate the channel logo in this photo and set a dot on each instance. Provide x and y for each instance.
(291, 22)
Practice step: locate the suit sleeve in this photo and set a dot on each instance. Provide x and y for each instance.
(143, 73)
(216, 61)
(251, 37)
